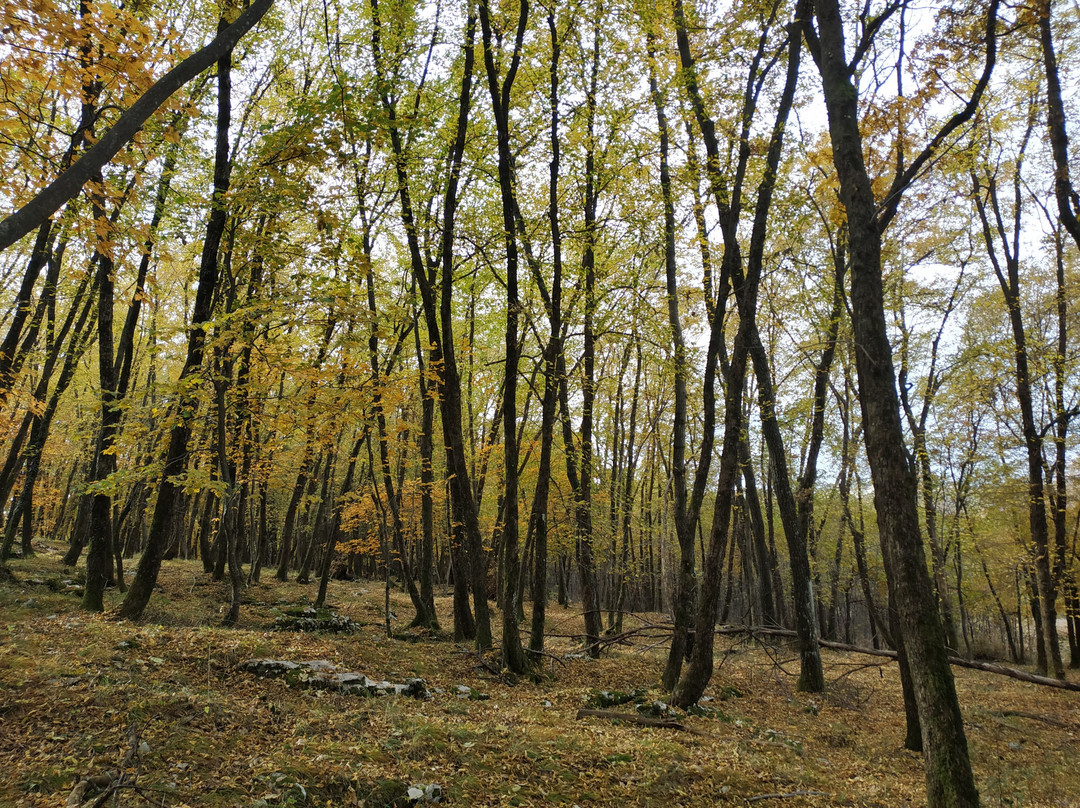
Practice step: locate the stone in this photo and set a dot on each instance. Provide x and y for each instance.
(269, 667)
(321, 674)
(433, 793)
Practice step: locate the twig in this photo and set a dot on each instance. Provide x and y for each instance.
(857, 668)
(553, 657)
(484, 664)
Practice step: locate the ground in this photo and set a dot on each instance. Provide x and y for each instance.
(75, 688)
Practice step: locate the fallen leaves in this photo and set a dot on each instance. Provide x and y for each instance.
(71, 685)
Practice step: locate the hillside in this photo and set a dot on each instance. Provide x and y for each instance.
(79, 692)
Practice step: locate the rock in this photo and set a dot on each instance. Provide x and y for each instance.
(602, 699)
(655, 709)
(384, 794)
(321, 674)
(30, 603)
(419, 793)
(311, 619)
(268, 667)
(416, 688)
(466, 692)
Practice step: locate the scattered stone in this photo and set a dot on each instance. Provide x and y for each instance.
(707, 711)
(466, 692)
(546, 703)
(312, 619)
(320, 674)
(419, 793)
(602, 699)
(29, 603)
(385, 794)
(268, 667)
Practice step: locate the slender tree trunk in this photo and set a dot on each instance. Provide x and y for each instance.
(164, 511)
(949, 778)
(684, 597)
(99, 555)
(538, 518)
(513, 655)
(438, 314)
(1009, 280)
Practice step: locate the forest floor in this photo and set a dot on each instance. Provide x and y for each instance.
(80, 692)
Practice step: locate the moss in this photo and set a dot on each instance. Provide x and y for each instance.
(383, 794)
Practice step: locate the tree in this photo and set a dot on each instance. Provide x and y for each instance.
(164, 510)
(64, 188)
(948, 769)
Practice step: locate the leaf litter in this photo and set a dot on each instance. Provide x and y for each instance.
(76, 688)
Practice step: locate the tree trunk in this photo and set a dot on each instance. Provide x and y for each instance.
(514, 658)
(949, 778)
(150, 564)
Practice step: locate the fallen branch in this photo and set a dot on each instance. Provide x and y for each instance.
(642, 720)
(106, 783)
(1035, 717)
(985, 667)
(787, 795)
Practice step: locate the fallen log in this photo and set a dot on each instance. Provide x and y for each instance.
(960, 662)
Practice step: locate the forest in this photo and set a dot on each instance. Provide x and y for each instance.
(691, 318)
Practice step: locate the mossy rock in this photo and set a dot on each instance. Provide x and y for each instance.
(602, 699)
(311, 619)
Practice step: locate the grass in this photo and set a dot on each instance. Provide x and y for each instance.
(71, 685)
